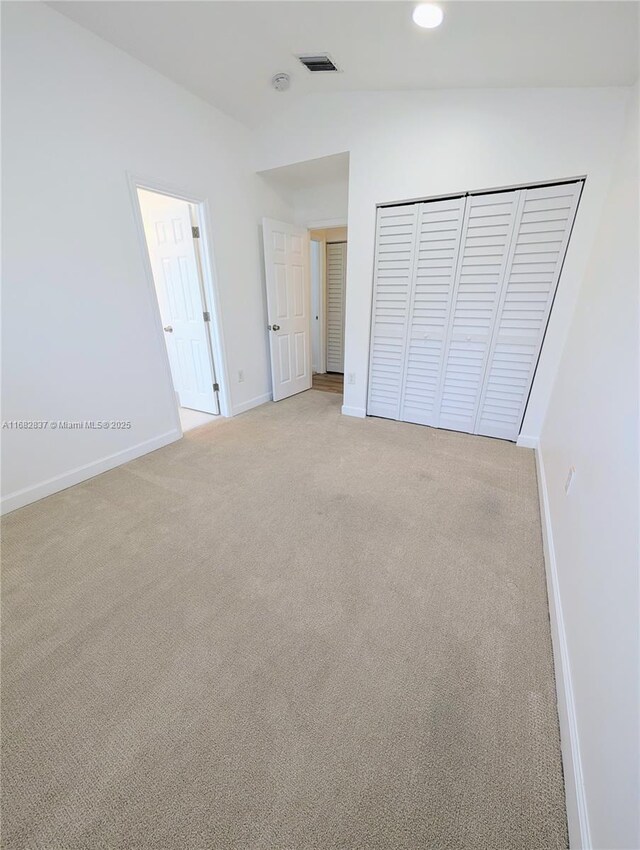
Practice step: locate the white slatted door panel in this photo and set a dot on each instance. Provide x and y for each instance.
(395, 242)
(439, 229)
(540, 244)
(486, 240)
(336, 279)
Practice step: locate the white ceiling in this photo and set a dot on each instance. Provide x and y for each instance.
(227, 52)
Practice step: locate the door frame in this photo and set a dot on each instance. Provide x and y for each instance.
(211, 295)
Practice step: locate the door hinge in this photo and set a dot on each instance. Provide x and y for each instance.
(195, 232)
(216, 387)
(206, 315)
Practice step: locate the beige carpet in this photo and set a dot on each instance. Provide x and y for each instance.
(289, 631)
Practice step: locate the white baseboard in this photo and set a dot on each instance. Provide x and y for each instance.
(360, 412)
(35, 492)
(253, 402)
(526, 442)
(577, 813)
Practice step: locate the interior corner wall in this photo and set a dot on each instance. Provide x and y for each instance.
(323, 205)
(592, 424)
(319, 205)
(80, 335)
(412, 145)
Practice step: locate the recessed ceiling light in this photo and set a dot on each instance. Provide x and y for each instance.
(428, 15)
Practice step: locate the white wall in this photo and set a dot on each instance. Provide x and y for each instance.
(592, 424)
(420, 144)
(80, 337)
(322, 206)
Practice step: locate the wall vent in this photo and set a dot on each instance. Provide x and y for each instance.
(318, 62)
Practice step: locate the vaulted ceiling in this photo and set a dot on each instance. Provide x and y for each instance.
(227, 52)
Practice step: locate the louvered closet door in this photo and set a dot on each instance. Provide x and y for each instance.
(540, 243)
(484, 256)
(395, 240)
(336, 279)
(439, 229)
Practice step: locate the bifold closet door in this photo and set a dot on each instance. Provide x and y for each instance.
(439, 225)
(463, 289)
(489, 224)
(396, 229)
(539, 245)
(336, 285)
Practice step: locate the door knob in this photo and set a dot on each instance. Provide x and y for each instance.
(275, 327)
(168, 329)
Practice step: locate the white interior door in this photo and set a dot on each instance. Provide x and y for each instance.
(172, 252)
(336, 291)
(286, 257)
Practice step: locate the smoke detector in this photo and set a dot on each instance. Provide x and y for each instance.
(281, 82)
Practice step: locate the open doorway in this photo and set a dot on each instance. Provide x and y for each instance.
(328, 294)
(305, 273)
(172, 234)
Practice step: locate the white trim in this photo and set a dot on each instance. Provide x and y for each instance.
(527, 442)
(81, 473)
(210, 278)
(576, 800)
(253, 402)
(359, 412)
(462, 193)
(325, 223)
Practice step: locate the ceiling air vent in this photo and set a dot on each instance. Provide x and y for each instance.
(318, 62)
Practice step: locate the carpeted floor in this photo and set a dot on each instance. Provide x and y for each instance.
(289, 631)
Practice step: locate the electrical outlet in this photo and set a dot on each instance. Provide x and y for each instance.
(569, 479)
(351, 379)
(240, 376)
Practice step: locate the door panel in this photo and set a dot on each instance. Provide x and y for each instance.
(484, 255)
(396, 230)
(438, 243)
(286, 254)
(176, 276)
(525, 304)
